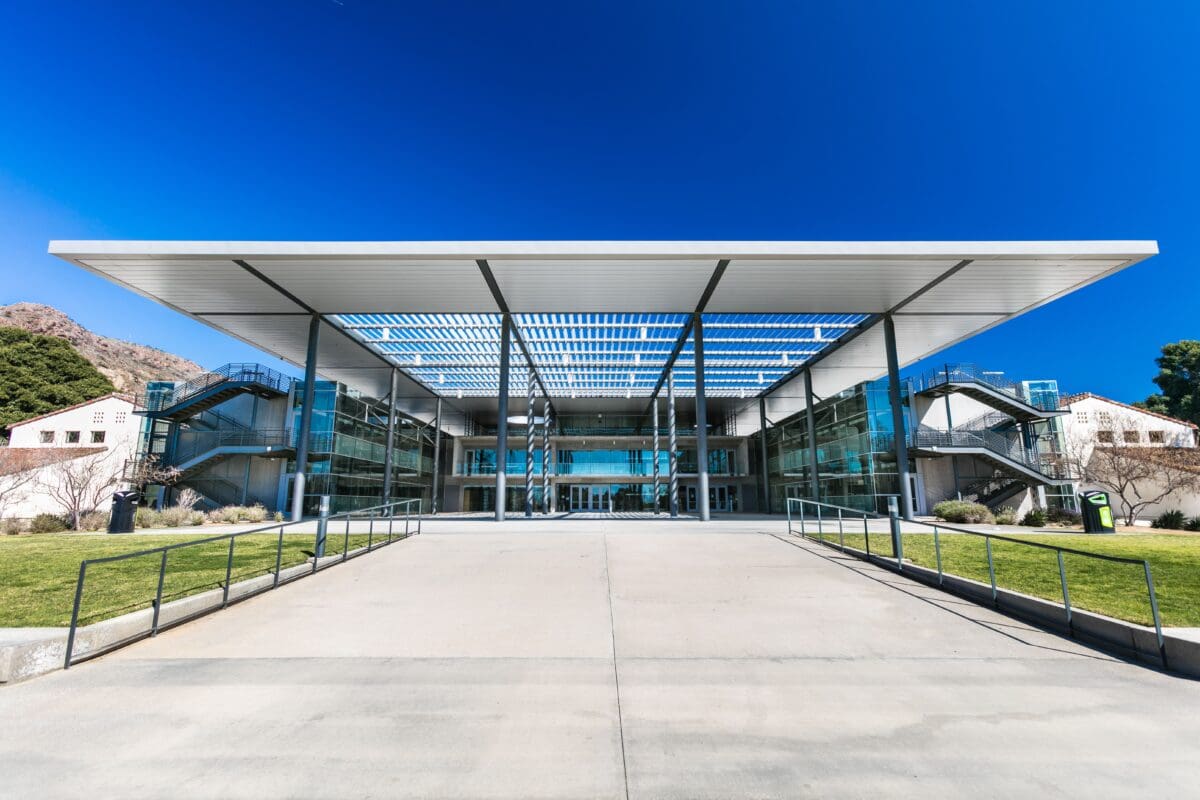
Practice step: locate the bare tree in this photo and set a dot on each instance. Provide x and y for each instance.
(1137, 475)
(20, 471)
(149, 469)
(79, 485)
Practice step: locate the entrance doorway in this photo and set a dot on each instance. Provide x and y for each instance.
(720, 498)
(590, 498)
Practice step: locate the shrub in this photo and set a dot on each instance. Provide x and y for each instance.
(187, 498)
(1034, 518)
(1192, 524)
(146, 517)
(963, 511)
(12, 526)
(279, 516)
(48, 523)
(225, 514)
(1171, 520)
(197, 518)
(175, 516)
(1006, 516)
(94, 521)
(1064, 516)
(256, 513)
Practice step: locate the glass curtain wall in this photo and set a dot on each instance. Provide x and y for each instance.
(347, 451)
(856, 463)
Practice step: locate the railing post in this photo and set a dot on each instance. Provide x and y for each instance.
(787, 504)
(228, 572)
(1062, 578)
(841, 533)
(346, 539)
(418, 516)
(1162, 645)
(937, 549)
(370, 529)
(803, 532)
(75, 614)
(391, 520)
(162, 574)
(820, 525)
(278, 559)
(987, 541)
(322, 530)
(407, 510)
(867, 535)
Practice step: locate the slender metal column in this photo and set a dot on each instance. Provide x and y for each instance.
(950, 429)
(810, 421)
(893, 362)
(762, 448)
(502, 421)
(389, 448)
(530, 430)
(306, 410)
(656, 481)
(437, 457)
(701, 422)
(546, 455)
(673, 445)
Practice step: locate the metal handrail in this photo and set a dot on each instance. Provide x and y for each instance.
(160, 399)
(971, 373)
(997, 443)
(322, 528)
(898, 553)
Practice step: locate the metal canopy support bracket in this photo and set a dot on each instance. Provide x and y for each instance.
(701, 423)
(810, 423)
(389, 447)
(899, 436)
(502, 419)
(490, 279)
(306, 409)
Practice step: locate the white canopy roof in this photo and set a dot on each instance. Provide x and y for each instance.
(940, 293)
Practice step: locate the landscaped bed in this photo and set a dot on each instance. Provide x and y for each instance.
(1113, 589)
(38, 573)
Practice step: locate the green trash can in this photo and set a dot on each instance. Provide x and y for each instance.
(1097, 513)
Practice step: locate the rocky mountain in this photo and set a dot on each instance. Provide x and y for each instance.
(126, 364)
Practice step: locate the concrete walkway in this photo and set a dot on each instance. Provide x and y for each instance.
(604, 659)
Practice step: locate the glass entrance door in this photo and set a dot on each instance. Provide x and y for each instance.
(589, 498)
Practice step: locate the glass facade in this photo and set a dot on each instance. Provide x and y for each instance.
(347, 451)
(482, 461)
(856, 463)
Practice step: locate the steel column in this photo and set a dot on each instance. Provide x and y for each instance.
(901, 439)
(530, 431)
(389, 447)
(673, 445)
(701, 422)
(306, 410)
(762, 447)
(810, 421)
(502, 419)
(437, 457)
(546, 455)
(656, 480)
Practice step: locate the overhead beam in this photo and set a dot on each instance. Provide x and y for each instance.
(486, 270)
(865, 326)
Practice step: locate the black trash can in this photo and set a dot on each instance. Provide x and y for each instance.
(1097, 513)
(124, 508)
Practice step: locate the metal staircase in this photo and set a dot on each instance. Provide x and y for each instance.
(188, 399)
(990, 388)
(1007, 455)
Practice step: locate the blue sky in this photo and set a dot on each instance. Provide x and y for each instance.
(342, 119)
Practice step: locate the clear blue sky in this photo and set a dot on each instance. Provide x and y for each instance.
(345, 119)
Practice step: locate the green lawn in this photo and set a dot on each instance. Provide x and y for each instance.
(1116, 590)
(38, 572)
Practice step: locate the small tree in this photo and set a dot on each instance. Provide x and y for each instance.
(1138, 476)
(20, 467)
(79, 485)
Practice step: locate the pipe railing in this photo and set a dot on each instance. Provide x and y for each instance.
(389, 513)
(820, 514)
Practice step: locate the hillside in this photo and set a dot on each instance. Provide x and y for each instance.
(43, 373)
(127, 365)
